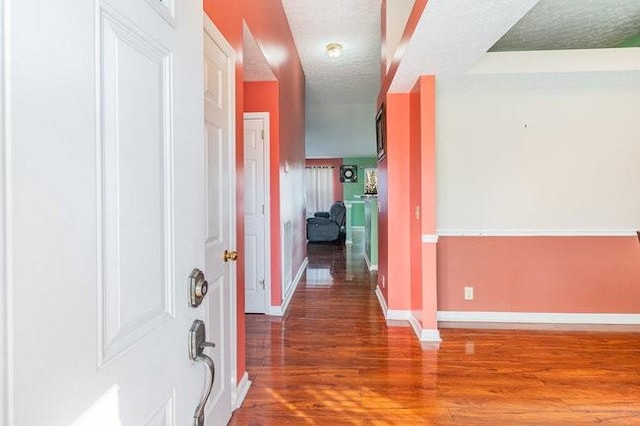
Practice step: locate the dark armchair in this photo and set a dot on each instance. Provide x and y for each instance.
(327, 226)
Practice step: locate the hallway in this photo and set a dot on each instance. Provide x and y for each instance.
(332, 360)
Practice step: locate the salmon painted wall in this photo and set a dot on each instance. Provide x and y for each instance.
(264, 97)
(429, 280)
(270, 28)
(423, 202)
(540, 274)
(394, 219)
(535, 205)
(415, 194)
(330, 162)
(383, 228)
(394, 225)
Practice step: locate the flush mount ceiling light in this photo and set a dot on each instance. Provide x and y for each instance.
(334, 50)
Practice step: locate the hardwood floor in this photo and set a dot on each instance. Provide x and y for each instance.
(332, 360)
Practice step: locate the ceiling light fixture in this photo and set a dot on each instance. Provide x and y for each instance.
(334, 50)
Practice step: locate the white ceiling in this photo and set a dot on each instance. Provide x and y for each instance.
(571, 24)
(451, 37)
(256, 67)
(354, 77)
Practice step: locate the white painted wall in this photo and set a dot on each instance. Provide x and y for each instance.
(539, 158)
(292, 205)
(340, 130)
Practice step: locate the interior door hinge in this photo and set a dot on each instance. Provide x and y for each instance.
(262, 132)
(263, 209)
(262, 282)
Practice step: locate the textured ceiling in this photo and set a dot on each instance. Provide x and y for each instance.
(450, 38)
(352, 78)
(452, 35)
(573, 24)
(256, 67)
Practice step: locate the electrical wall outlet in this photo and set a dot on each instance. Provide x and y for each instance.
(468, 293)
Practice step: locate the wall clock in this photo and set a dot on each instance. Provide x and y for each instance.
(348, 173)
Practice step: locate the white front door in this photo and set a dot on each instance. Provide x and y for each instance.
(220, 211)
(256, 212)
(104, 211)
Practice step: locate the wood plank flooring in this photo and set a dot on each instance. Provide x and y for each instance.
(332, 360)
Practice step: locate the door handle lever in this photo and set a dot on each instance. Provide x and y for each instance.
(198, 415)
(197, 343)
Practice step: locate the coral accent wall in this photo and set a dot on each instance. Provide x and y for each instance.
(264, 96)
(426, 87)
(394, 252)
(397, 250)
(423, 202)
(415, 183)
(540, 274)
(270, 28)
(383, 227)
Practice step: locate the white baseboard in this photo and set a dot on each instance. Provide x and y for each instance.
(390, 314)
(279, 311)
(536, 233)
(369, 265)
(424, 335)
(381, 301)
(241, 391)
(539, 317)
(398, 315)
(275, 311)
(355, 230)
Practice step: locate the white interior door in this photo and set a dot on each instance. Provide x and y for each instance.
(220, 218)
(104, 199)
(4, 326)
(256, 212)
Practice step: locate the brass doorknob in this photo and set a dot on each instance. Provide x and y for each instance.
(230, 255)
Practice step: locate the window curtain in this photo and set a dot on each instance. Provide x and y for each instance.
(319, 189)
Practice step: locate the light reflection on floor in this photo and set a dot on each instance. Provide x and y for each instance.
(345, 264)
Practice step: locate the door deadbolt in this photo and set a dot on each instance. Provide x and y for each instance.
(198, 287)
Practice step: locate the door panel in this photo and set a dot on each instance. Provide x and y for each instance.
(135, 186)
(220, 216)
(105, 200)
(255, 215)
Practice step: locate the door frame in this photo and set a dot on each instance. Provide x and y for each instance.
(6, 386)
(266, 158)
(238, 390)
